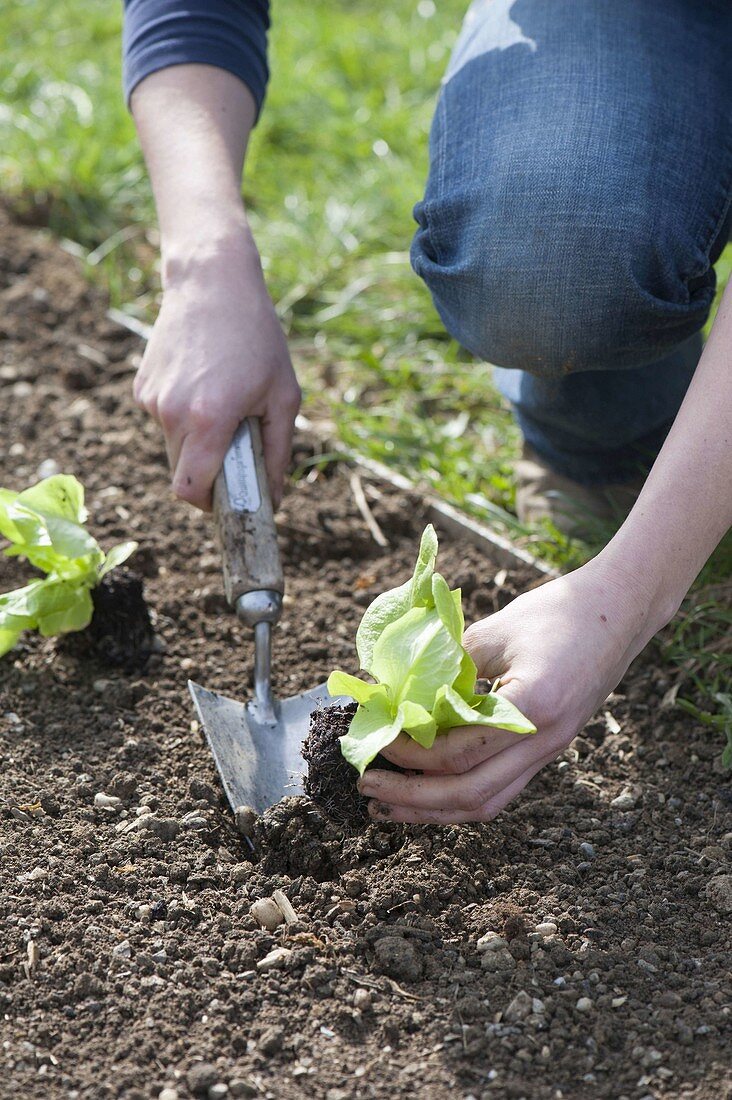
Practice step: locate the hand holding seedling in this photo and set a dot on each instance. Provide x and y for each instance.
(559, 651)
(217, 353)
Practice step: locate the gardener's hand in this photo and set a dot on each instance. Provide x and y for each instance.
(216, 355)
(559, 651)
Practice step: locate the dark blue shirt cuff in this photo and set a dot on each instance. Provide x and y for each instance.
(230, 34)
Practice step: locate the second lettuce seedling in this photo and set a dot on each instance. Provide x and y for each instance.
(45, 525)
(410, 642)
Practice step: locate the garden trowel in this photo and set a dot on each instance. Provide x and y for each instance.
(256, 745)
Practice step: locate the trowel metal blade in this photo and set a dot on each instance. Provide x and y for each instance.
(259, 761)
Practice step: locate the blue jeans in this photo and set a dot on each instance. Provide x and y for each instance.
(578, 195)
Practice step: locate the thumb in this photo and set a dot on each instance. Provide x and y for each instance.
(485, 641)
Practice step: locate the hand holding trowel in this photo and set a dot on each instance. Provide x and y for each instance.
(257, 745)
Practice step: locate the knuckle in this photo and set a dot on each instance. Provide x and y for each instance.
(461, 760)
(202, 415)
(475, 639)
(294, 399)
(472, 797)
(168, 411)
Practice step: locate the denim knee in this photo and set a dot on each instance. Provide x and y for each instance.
(532, 276)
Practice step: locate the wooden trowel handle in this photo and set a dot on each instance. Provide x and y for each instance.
(244, 517)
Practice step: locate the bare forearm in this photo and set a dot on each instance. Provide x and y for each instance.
(686, 505)
(194, 123)
(217, 353)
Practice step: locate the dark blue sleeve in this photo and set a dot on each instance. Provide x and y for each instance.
(230, 34)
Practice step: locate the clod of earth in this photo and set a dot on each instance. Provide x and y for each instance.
(330, 780)
(120, 633)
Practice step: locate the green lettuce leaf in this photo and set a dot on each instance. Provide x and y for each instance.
(45, 525)
(373, 728)
(410, 642)
(390, 606)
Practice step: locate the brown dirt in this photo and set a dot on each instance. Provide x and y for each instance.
(129, 959)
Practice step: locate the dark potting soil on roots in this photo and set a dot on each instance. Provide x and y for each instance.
(129, 959)
(121, 632)
(330, 780)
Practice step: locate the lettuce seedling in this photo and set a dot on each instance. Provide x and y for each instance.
(45, 524)
(410, 642)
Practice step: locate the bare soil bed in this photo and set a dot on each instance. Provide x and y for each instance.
(129, 961)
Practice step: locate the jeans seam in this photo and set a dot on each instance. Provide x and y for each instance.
(716, 224)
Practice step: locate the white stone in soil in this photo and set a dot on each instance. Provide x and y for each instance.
(275, 959)
(626, 800)
(268, 913)
(107, 802)
(491, 941)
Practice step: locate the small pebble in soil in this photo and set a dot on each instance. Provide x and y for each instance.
(719, 892)
(241, 1088)
(200, 1078)
(626, 800)
(168, 1094)
(48, 468)
(587, 850)
(519, 1008)
(276, 958)
(107, 802)
(584, 1004)
(268, 913)
(245, 818)
(491, 941)
(164, 828)
(271, 1040)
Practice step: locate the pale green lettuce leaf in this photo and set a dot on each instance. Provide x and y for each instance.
(418, 723)
(464, 683)
(414, 656)
(450, 710)
(116, 556)
(67, 607)
(421, 582)
(45, 521)
(390, 606)
(373, 728)
(51, 606)
(449, 607)
(60, 495)
(19, 608)
(497, 710)
(341, 683)
(8, 640)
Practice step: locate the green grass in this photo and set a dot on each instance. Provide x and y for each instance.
(335, 166)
